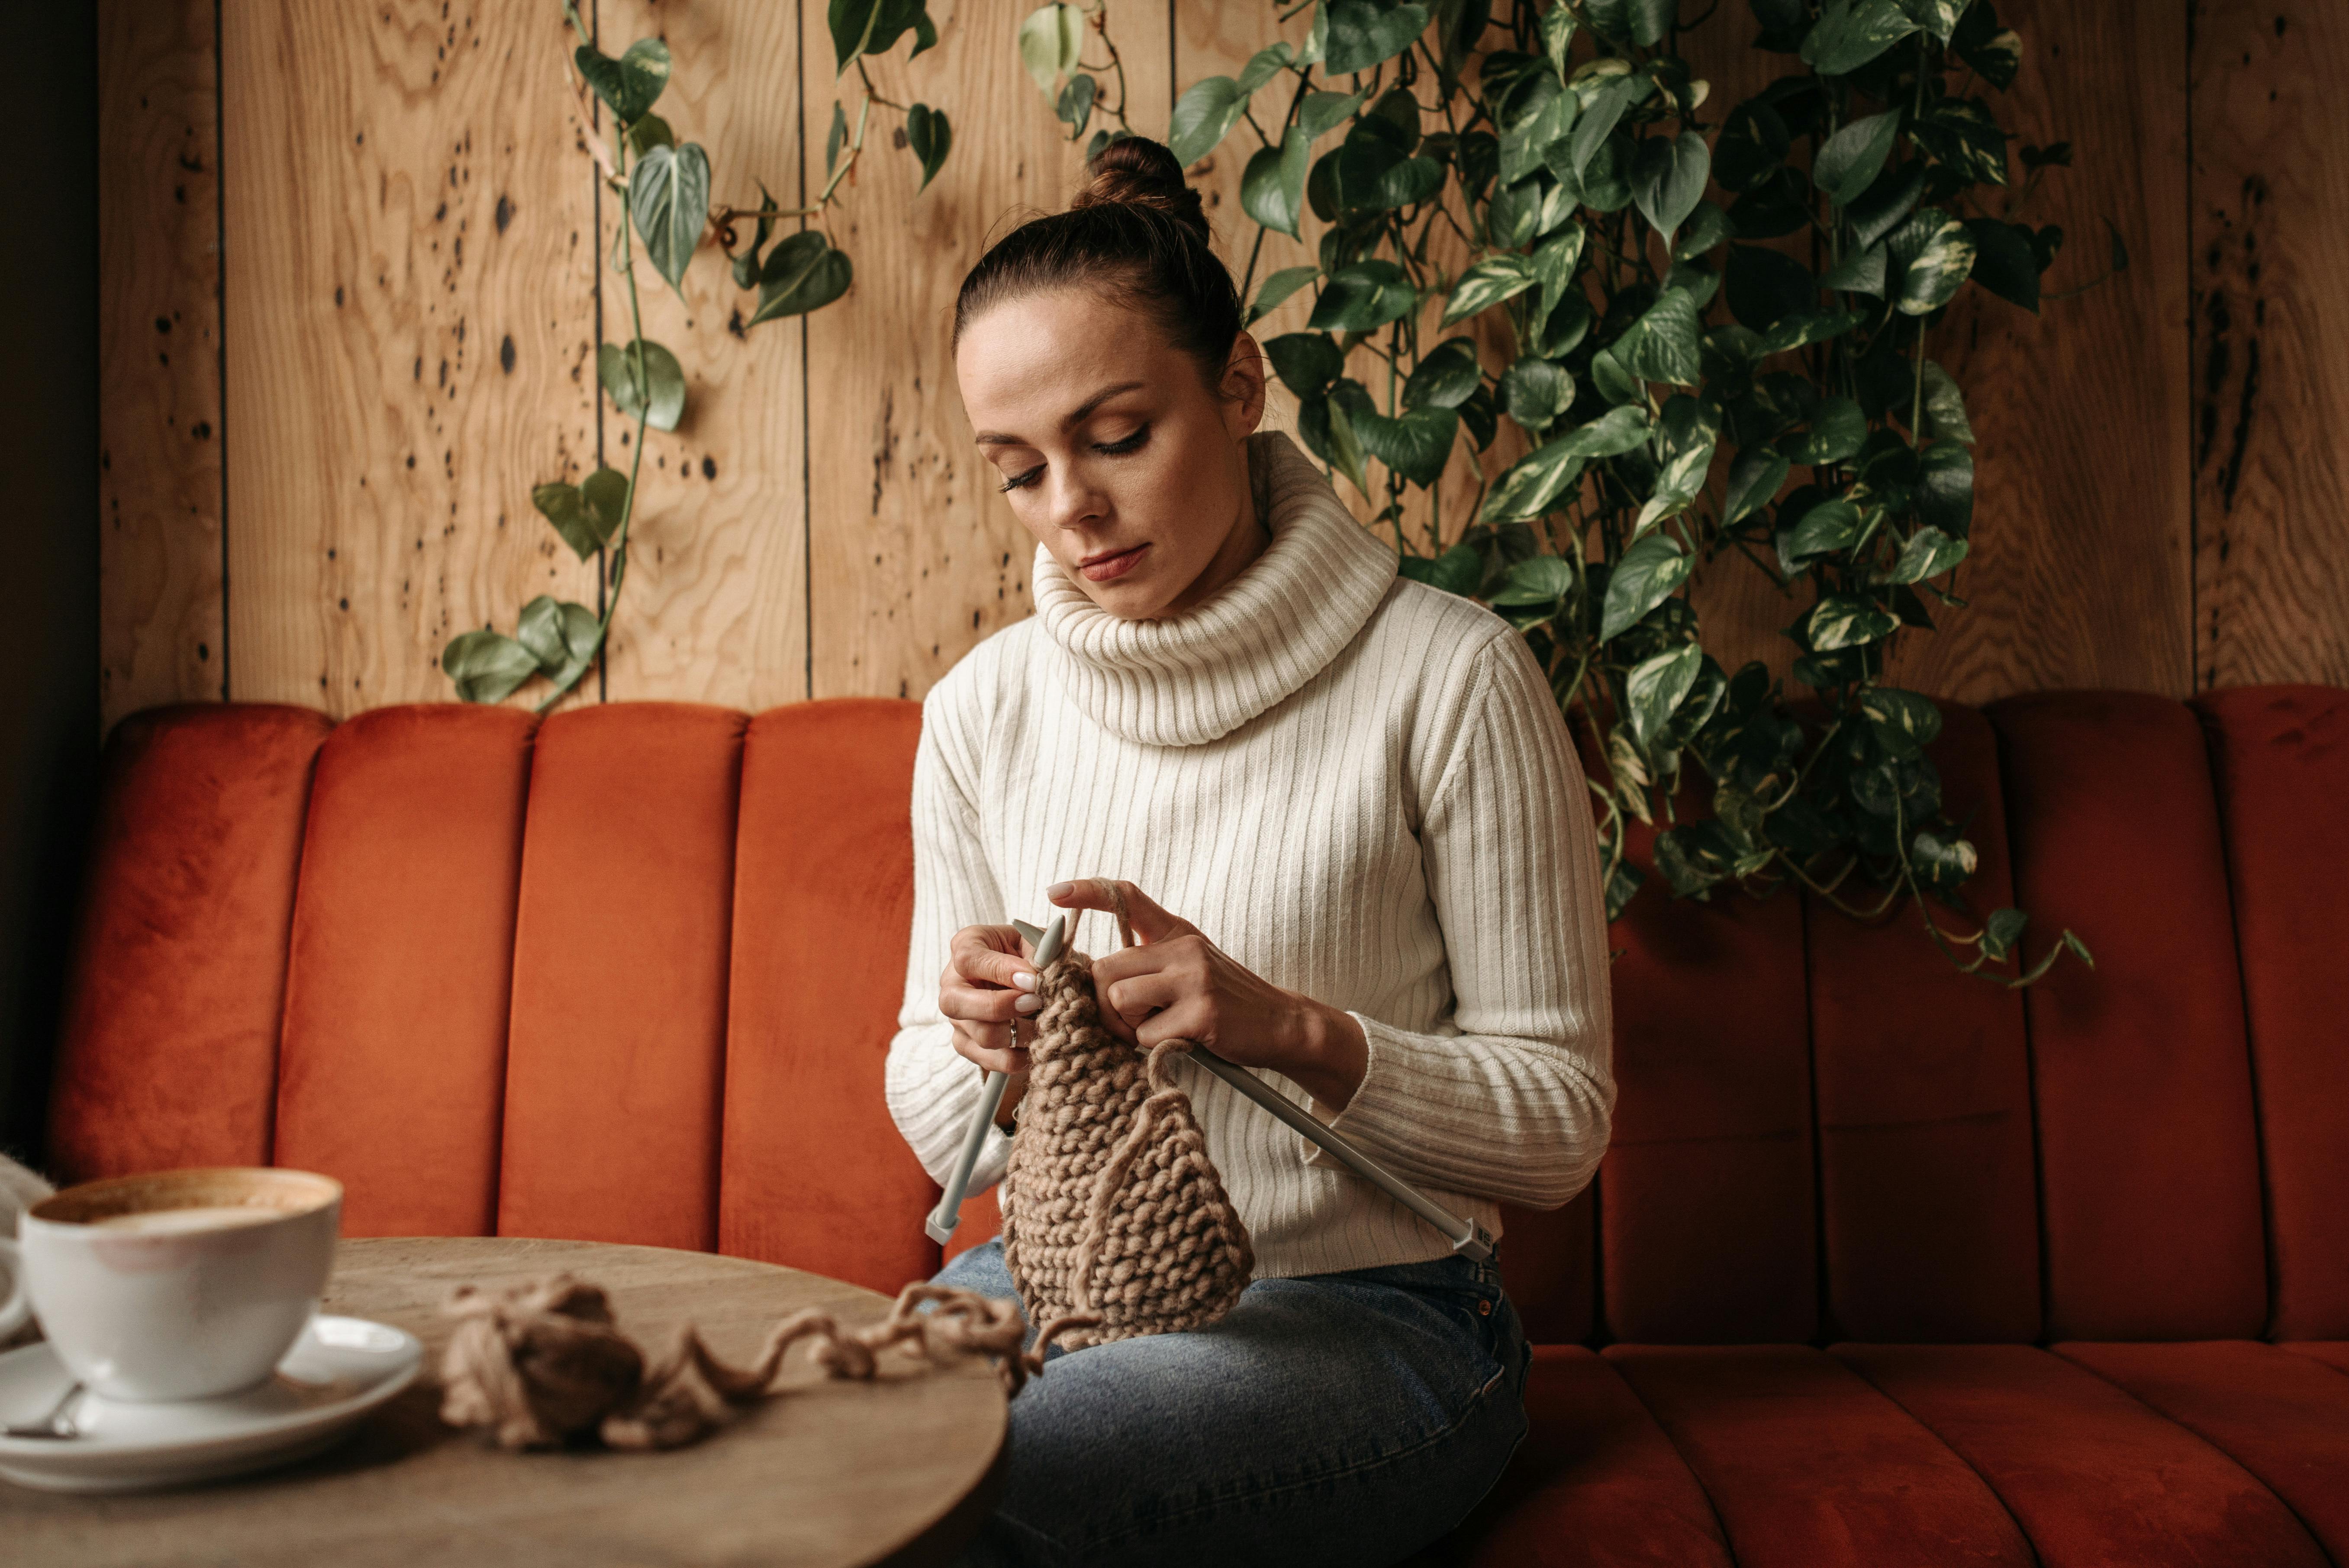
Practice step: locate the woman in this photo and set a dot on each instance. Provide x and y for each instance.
(1350, 833)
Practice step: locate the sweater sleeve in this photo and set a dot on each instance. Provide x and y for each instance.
(931, 1090)
(1514, 1100)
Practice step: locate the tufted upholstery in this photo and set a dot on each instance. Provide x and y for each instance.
(1884, 1266)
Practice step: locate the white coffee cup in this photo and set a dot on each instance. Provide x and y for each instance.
(180, 1285)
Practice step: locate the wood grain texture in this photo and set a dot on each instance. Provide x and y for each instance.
(2271, 343)
(410, 336)
(715, 606)
(824, 1474)
(915, 555)
(158, 358)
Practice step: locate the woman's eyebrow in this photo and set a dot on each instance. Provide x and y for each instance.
(1074, 417)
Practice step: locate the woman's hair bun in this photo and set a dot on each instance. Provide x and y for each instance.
(1141, 172)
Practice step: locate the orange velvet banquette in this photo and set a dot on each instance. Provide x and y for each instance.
(1886, 1267)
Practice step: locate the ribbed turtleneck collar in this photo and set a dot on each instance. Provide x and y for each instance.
(1187, 679)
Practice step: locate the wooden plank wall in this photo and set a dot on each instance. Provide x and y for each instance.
(351, 303)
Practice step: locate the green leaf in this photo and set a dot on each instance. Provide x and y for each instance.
(1306, 361)
(1445, 375)
(1850, 33)
(1754, 481)
(1264, 65)
(1938, 271)
(1535, 580)
(853, 24)
(1277, 290)
(1536, 391)
(1532, 483)
(1836, 429)
(1657, 685)
(1661, 345)
(1853, 157)
(629, 84)
(1847, 621)
(1616, 431)
(1605, 111)
(1272, 189)
(835, 139)
(1668, 179)
(563, 638)
(1887, 202)
(1904, 722)
(1651, 569)
(1928, 552)
(1614, 383)
(586, 520)
(1524, 144)
(487, 666)
(1554, 265)
(1317, 38)
(616, 367)
(1322, 111)
(2000, 932)
(1345, 446)
(1708, 226)
(1827, 527)
(1558, 35)
(1364, 31)
(1803, 327)
(1685, 443)
(1752, 146)
(1486, 285)
(930, 138)
(1076, 106)
(1945, 487)
(1415, 445)
(1861, 272)
(1050, 41)
(1945, 407)
(1202, 118)
(648, 132)
(802, 273)
(2004, 263)
(1457, 571)
(1363, 295)
(668, 198)
(1960, 135)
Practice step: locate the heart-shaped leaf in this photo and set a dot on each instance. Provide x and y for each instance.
(1363, 295)
(1486, 285)
(1076, 106)
(1836, 429)
(929, 138)
(1203, 115)
(1444, 376)
(1322, 111)
(1536, 391)
(1272, 189)
(1648, 574)
(1277, 290)
(563, 638)
(1850, 33)
(2004, 263)
(1940, 269)
(1827, 527)
(1928, 552)
(1050, 41)
(804, 273)
(1415, 445)
(669, 199)
(1306, 361)
(1657, 685)
(1364, 31)
(1668, 179)
(1616, 431)
(1847, 621)
(629, 84)
(487, 666)
(1532, 483)
(1754, 481)
(1853, 157)
(616, 368)
(1661, 345)
(1945, 487)
(1264, 65)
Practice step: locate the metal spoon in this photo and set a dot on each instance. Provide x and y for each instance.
(56, 1424)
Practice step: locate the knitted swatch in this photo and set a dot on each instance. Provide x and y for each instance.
(1113, 1218)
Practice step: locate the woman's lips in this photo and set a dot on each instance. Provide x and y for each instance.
(1114, 566)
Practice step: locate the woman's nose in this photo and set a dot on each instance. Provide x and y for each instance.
(1075, 502)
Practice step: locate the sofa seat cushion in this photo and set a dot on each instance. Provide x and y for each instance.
(2282, 1417)
(2090, 1473)
(1595, 1484)
(2334, 1353)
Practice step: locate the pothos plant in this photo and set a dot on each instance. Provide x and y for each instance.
(1688, 382)
(664, 189)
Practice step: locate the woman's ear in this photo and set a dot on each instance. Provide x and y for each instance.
(1243, 387)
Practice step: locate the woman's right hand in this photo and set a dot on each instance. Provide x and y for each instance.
(987, 990)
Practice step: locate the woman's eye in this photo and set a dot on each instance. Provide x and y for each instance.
(1027, 476)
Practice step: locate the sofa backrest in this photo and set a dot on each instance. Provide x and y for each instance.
(629, 975)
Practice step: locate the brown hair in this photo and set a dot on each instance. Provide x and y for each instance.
(1135, 232)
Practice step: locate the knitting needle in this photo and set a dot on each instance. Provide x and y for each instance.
(948, 1213)
(1465, 1235)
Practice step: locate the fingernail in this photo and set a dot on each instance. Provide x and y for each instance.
(1025, 980)
(1025, 1005)
(1060, 890)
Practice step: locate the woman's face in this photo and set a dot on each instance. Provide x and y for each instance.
(1111, 449)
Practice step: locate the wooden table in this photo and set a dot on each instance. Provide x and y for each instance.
(827, 1473)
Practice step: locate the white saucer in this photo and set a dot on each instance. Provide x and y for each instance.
(339, 1370)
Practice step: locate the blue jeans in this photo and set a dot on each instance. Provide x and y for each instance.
(1342, 1418)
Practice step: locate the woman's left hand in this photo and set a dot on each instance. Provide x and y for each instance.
(1175, 984)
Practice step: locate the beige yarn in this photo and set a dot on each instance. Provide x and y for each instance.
(542, 1362)
(1115, 1223)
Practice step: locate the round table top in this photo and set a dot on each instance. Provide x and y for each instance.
(826, 1472)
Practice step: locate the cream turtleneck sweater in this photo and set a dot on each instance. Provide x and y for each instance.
(1355, 785)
